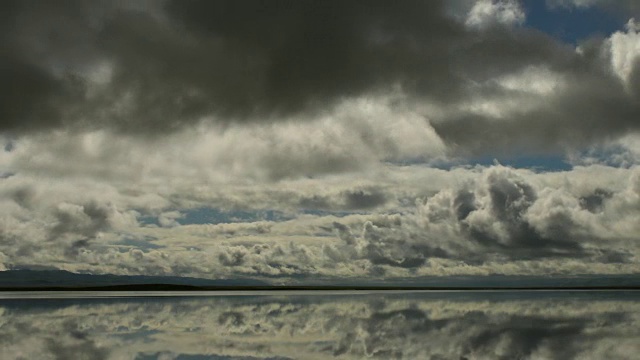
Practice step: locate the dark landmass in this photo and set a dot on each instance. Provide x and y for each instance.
(169, 287)
(58, 280)
(66, 279)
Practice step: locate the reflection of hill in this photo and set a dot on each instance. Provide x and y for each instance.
(386, 326)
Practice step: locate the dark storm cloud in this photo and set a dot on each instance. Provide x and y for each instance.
(311, 54)
(247, 58)
(318, 51)
(82, 349)
(594, 107)
(27, 94)
(256, 59)
(364, 199)
(237, 59)
(157, 66)
(40, 38)
(594, 202)
(354, 199)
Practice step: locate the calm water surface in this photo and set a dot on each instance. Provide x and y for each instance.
(321, 325)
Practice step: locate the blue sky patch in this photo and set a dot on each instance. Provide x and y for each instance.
(217, 216)
(572, 24)
(539, 163)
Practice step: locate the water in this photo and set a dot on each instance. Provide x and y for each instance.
(321, 325)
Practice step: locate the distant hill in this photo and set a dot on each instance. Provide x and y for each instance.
(507, 281)
(61, 278)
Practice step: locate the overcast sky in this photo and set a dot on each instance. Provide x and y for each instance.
(292, 140)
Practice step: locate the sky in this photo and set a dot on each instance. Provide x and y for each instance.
(320, 140)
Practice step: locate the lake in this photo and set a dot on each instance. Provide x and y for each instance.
(321, 325)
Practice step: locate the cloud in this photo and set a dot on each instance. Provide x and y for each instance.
(623, 152)
(156, 68)
(207, 59)
(82, 349)
(3, 259)
(328, 117)
(354, 137)
(502, 216)
(346, 326)
(488, 12)
(586, 99)
(625, 52)
(494, 220)
(170, 218)
(28, 94)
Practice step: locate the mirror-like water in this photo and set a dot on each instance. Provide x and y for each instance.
(420, 325)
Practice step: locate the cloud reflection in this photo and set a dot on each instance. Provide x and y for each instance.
(294, 326)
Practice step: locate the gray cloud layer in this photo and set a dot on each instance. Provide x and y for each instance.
(119, 121)
(152, 67)
(495, 220)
